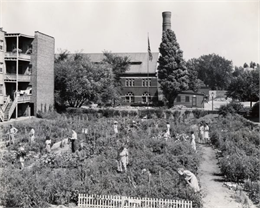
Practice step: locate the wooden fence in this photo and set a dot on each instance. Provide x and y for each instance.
(106, 201)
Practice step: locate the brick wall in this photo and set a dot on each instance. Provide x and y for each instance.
(43, 72)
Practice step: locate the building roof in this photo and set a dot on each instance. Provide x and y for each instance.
(138, 61)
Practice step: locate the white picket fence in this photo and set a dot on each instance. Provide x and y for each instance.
(106, 201)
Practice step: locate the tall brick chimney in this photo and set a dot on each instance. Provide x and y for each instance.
(166, 20)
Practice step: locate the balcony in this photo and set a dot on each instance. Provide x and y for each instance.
(21, 78)
(24, 98)
(21, 56)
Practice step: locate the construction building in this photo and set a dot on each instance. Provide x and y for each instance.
(26, 74)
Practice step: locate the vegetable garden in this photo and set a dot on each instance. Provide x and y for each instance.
(57, 178)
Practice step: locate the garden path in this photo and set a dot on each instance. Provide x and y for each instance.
(214, 194)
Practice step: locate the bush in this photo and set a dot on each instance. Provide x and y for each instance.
(231, 108)
(199, 113)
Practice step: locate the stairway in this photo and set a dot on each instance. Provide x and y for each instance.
(6, 113)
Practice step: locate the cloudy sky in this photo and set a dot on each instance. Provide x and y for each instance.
(227, 28)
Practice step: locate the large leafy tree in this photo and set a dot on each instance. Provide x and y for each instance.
(245, 87)
(172, 71)
(215, 71)
(78, 81)
(194, 82)
(119, 65)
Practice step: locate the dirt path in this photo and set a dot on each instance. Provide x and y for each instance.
(215, 195)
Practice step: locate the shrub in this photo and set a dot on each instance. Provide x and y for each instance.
(231, 108)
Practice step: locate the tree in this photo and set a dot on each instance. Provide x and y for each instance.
(119, 66)
(238, 71)
(252, 65)
(78, 81)
(245, 65)
(172, 71)
(194, 82)
(245, 87)
(215, 71)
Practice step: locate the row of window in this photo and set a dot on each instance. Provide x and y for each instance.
(130, 98)
(187, 99)
(131, 82)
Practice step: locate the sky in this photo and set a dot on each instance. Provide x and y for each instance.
(230, 29)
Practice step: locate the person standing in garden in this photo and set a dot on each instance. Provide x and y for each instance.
(206, 134)
(21, 155)
(202, 132)
(115, 126)
(122, 159)
(73, 139)
(32, 136)
(193, 142)
(11, 134)
(190, 178)
(48, 144)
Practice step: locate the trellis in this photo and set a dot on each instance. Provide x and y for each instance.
(109, 201)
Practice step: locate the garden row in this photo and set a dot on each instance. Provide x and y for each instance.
(239, 142)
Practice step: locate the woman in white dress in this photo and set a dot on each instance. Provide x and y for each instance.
(193, 142)
(190, 178)
(206, 134)
(202, 133)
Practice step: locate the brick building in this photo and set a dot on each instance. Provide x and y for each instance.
(26, 74)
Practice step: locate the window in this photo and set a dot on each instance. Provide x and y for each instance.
(126, 82)
(178, 99)
(129, 98)
(1, 44)
(187, 99)
(1, 67)
(133, 82)
(146, 97)
(1, 89)
(146, 82)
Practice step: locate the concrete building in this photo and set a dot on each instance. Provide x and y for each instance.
(26, 74)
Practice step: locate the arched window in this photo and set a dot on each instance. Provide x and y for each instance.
(129, 97)
(143, 82)
(146, 97)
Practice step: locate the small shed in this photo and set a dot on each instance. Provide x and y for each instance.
(190, 99)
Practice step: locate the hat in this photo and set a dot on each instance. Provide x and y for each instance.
(115, 122)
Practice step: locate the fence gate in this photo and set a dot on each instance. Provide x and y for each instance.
(107, 201)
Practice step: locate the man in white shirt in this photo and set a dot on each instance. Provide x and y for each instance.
(12, 131)
(73, 139)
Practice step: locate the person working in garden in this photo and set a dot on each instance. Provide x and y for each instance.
(202, 132)
(122, 159)
(21, 154)
(115, 126)
(206, 134)
(73, 139)
(190, 178)
(193, 142)
(167, 134)
(48, 144)
(32, 136)
(11, 134)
